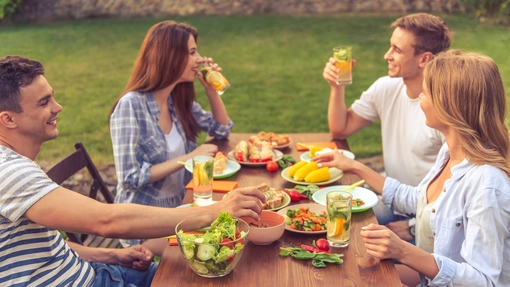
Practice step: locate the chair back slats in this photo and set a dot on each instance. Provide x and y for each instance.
(69, 166)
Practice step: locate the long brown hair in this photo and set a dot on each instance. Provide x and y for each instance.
(468, 94)
(161, 61)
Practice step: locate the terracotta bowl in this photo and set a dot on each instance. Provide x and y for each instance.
(268, 229)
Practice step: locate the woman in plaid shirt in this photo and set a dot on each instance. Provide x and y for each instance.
(156, 121)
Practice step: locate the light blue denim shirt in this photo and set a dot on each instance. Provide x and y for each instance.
(138, 143)
(470, 222)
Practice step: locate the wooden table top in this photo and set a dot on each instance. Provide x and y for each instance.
(262, 266)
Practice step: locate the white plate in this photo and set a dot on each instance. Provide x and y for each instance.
(368, 196)
(230, 170)
(284, 145)
(335, 173)
(278, 155)
(316, 208)
(285, 202)
(306, 155)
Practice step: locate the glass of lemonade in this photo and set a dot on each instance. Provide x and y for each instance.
(203, 177)
(214, 78)
(338, 208)
(343, 61)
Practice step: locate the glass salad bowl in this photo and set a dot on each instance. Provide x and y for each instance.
(211, 244)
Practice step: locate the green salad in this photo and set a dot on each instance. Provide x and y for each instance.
(215, 251)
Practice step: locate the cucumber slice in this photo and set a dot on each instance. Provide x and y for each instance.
(206, 252)
(188, 252)
(199, 267)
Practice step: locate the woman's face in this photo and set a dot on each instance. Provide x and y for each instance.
(194, 59)
(432, 120)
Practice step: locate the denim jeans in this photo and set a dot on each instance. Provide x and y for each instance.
(120, 276)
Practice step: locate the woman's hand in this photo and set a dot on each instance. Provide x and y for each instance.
(334, 159)
(204, 149)
(381, 242)
(209, 61)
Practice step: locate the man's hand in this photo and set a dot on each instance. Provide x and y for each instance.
(242, 202)
(137, 257)
(401, 228)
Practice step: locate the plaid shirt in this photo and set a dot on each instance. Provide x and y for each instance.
(139, 143)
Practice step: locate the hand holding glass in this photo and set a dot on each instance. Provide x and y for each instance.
(343, 61)
(203, 177)
(338, 224)
(214, 78)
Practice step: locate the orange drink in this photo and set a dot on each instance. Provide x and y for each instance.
(215, 79)
(338, 224)
(343, 61)
(203, 177)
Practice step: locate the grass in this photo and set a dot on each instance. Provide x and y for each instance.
(273, 63)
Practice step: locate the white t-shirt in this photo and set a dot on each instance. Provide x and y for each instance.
(410, 147)
(174, 182)
(31, 254)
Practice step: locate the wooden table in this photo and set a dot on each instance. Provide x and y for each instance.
(262, 266)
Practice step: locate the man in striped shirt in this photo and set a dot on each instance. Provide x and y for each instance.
(33, 208)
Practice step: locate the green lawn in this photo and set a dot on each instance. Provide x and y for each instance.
(274, 65)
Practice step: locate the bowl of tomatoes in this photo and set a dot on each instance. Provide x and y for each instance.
(211, 244)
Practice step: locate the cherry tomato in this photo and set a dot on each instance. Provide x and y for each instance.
(227, 242)
(231, 258)
(271, 166)
(322, 244)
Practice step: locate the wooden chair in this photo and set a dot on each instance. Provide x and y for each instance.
(69, 166)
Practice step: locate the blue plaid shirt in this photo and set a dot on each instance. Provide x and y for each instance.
(138, 143)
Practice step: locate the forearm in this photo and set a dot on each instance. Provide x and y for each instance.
(218, 109)
(337, 112)
(371, 177)
(100, 255)
(419, 260)
(161, 170)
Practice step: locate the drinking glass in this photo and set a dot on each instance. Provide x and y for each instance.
(214, 78)
(203, 177)
(338, 224)
(343, 61)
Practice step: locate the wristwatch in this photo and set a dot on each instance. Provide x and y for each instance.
(412, 223)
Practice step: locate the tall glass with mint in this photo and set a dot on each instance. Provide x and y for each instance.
(343, 61)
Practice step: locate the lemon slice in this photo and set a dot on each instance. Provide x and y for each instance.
(214, 79)
(334, 227)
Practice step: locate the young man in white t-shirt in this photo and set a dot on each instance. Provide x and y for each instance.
(33, 208)
(410, 147)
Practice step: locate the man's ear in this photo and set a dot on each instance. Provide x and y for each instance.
(6, 120)
(425, 58)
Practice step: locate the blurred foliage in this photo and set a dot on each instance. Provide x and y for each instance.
(497, 11)
(8, 7)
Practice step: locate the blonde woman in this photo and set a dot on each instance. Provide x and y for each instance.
(463, 204)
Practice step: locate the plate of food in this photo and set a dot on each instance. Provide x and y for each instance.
(309, 173)
(362, 198)
(276, 198)
(246, 153)
(223, 167)
(307, 212)
(277, 141)
(306, 155)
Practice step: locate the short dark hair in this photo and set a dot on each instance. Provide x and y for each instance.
(431, 33)
(16, 72)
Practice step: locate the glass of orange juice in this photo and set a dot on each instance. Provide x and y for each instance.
(343, 61)
(338, 219)
(214, 78)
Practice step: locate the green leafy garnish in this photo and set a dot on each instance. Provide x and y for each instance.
(307, 190)
(319, 259)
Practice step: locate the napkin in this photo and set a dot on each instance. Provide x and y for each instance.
(304, 146)
(218, 185)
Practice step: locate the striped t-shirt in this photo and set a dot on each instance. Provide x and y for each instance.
(31, 254)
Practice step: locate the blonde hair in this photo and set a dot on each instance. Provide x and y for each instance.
(467, 93)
